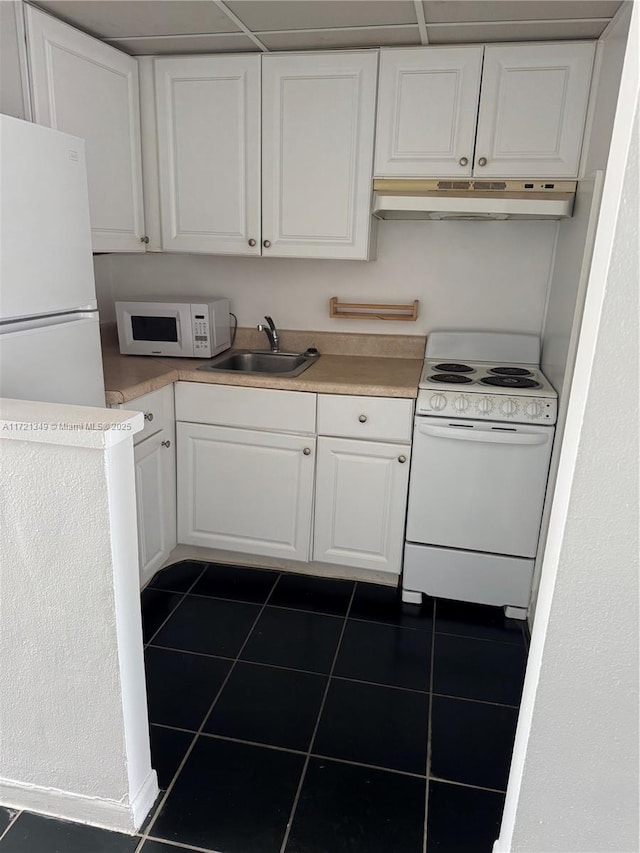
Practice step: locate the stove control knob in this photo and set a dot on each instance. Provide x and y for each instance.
(438, 402)
(461, 404)
(484, 405)
(509, 408)
(533, 409)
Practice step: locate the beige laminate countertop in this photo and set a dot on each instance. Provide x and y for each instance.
(129, 376)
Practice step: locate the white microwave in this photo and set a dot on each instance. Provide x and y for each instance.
(191, 327)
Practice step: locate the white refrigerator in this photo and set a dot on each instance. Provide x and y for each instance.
(49, 330)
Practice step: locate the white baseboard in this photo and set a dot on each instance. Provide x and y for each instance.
(108, 814)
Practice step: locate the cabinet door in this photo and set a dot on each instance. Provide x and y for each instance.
(209, 153)
(532, 110)
(361, 498)
(318, 113)
(243, 490)
(155, 502)
(427, 108)
(87, 88)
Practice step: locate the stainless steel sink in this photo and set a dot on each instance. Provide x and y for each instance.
(263, 361)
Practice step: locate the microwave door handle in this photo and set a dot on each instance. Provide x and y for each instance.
(493, 437)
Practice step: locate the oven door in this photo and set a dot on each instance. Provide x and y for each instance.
(154, 328)
(478, 485)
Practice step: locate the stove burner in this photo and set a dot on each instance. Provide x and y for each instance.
(453, 378)
(510, 382)
(510, 371)
(454, 368)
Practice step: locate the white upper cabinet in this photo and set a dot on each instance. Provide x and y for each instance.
(532, 110)
(87, 88)
(530, 118)
(208, 111)
(318, 117)
(427, 109)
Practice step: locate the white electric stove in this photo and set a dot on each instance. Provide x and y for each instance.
(482, 442)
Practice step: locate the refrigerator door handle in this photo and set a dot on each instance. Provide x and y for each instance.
(26, 325)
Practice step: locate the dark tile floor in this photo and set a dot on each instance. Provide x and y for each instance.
(292, 714)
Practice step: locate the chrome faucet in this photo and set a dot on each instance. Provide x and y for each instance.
(271, 332)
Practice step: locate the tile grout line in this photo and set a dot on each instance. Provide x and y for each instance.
(296, 799)
(429, 730)
(11, 822)
(467, 785)
(185, 758)
(173, 610)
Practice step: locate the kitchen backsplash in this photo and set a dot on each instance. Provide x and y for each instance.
(491, 275)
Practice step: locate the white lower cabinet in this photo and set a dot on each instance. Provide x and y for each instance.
(245, 490)
(154, 454)
(155, 469)
(361, 499)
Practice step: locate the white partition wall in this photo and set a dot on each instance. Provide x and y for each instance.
(75, 737)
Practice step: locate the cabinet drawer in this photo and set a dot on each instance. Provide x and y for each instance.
(250, 408)
(365, 417)
(158, 412)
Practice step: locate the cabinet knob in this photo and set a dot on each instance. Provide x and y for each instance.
(307, 451)
(402, 459)
(363, 419)
(252, 242)
(266, 244)
(166, 443)
(148, 416)
(463, 161)
(482, 161)
(144, 239)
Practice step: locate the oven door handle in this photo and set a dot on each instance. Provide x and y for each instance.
(492, 437)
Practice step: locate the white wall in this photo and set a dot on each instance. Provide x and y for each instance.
(13, 82)
(489, 275)
(75, 738)
(573, 785)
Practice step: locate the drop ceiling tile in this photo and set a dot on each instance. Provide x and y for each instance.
(517, 31)
(270, 15)
(453, 11)
(231, 43)
(113, 18)
(327, 39)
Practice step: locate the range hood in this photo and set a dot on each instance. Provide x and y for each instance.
(411, 198)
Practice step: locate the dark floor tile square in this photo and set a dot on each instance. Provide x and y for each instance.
(462, 820)
(209, 626)
(385, 654)
(322, 595)
(472, 742)
(477, 620)
(32, 833)
(150, 846)
(156, 606)
(237, 582)
(294, 639)
(168, 748)
(382, 726)
(181, 686)
(347, 809)
(478, 669)
(231, 797)
(267, 705)
(178, 577)
(378, 603)
(6, 816)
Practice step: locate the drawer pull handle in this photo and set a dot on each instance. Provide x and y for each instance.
(266, 244)
(166, 443)
(463, 161)
(148, 416)
(482, 161)
(363, 419)
(307, 451)
(402, 459)
(252, 242)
